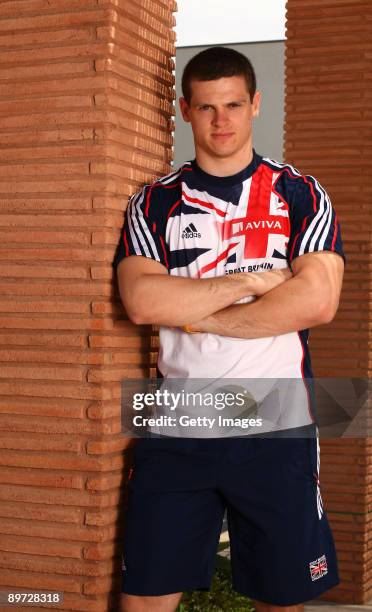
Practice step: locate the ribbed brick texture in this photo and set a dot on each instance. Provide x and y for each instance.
(86, 105)
(328, 134)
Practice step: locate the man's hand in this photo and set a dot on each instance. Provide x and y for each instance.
(308, 299)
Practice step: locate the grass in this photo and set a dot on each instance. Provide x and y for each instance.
(221, 597)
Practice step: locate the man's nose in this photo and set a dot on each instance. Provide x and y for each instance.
(220, 116)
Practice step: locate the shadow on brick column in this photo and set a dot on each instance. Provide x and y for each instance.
(328, 134)
(86, 109)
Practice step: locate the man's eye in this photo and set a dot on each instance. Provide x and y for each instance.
(234, 105)
(205, 107)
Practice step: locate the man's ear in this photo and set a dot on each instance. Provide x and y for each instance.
(185, 110)
(256, 103)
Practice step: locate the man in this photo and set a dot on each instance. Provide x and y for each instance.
(228, 226)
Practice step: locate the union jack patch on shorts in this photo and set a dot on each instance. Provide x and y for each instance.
(318, 568)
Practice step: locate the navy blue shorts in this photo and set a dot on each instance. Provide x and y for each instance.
(282, 549)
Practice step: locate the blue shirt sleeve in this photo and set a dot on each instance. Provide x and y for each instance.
(314, 223)
(143, 230)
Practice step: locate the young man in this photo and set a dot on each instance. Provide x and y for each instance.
(225, 227)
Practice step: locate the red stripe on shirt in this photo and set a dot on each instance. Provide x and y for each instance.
(204, 204)
(173, 207)
(164, 251)
(335, 234)
(306, 181)
(214, 263)
(148, 201)
(304, 379)
(150, 192)
(296, 237)
(126, 245)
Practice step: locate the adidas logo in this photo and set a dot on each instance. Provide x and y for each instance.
(191, 232)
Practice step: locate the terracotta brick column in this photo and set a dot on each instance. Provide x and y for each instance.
(86, 100)
(328, 134)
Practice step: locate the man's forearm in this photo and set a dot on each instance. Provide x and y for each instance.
(174, 301)
(283, 310)
(306, 300)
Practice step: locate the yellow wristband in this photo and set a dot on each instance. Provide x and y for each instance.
(186, 328)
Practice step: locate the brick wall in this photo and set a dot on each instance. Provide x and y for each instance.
(328, 134)
(86, 99)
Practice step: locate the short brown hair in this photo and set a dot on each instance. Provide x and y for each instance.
(214, 63)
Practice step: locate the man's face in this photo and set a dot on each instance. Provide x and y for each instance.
(221, 114)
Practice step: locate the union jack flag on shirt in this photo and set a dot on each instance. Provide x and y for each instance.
(318, 568)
